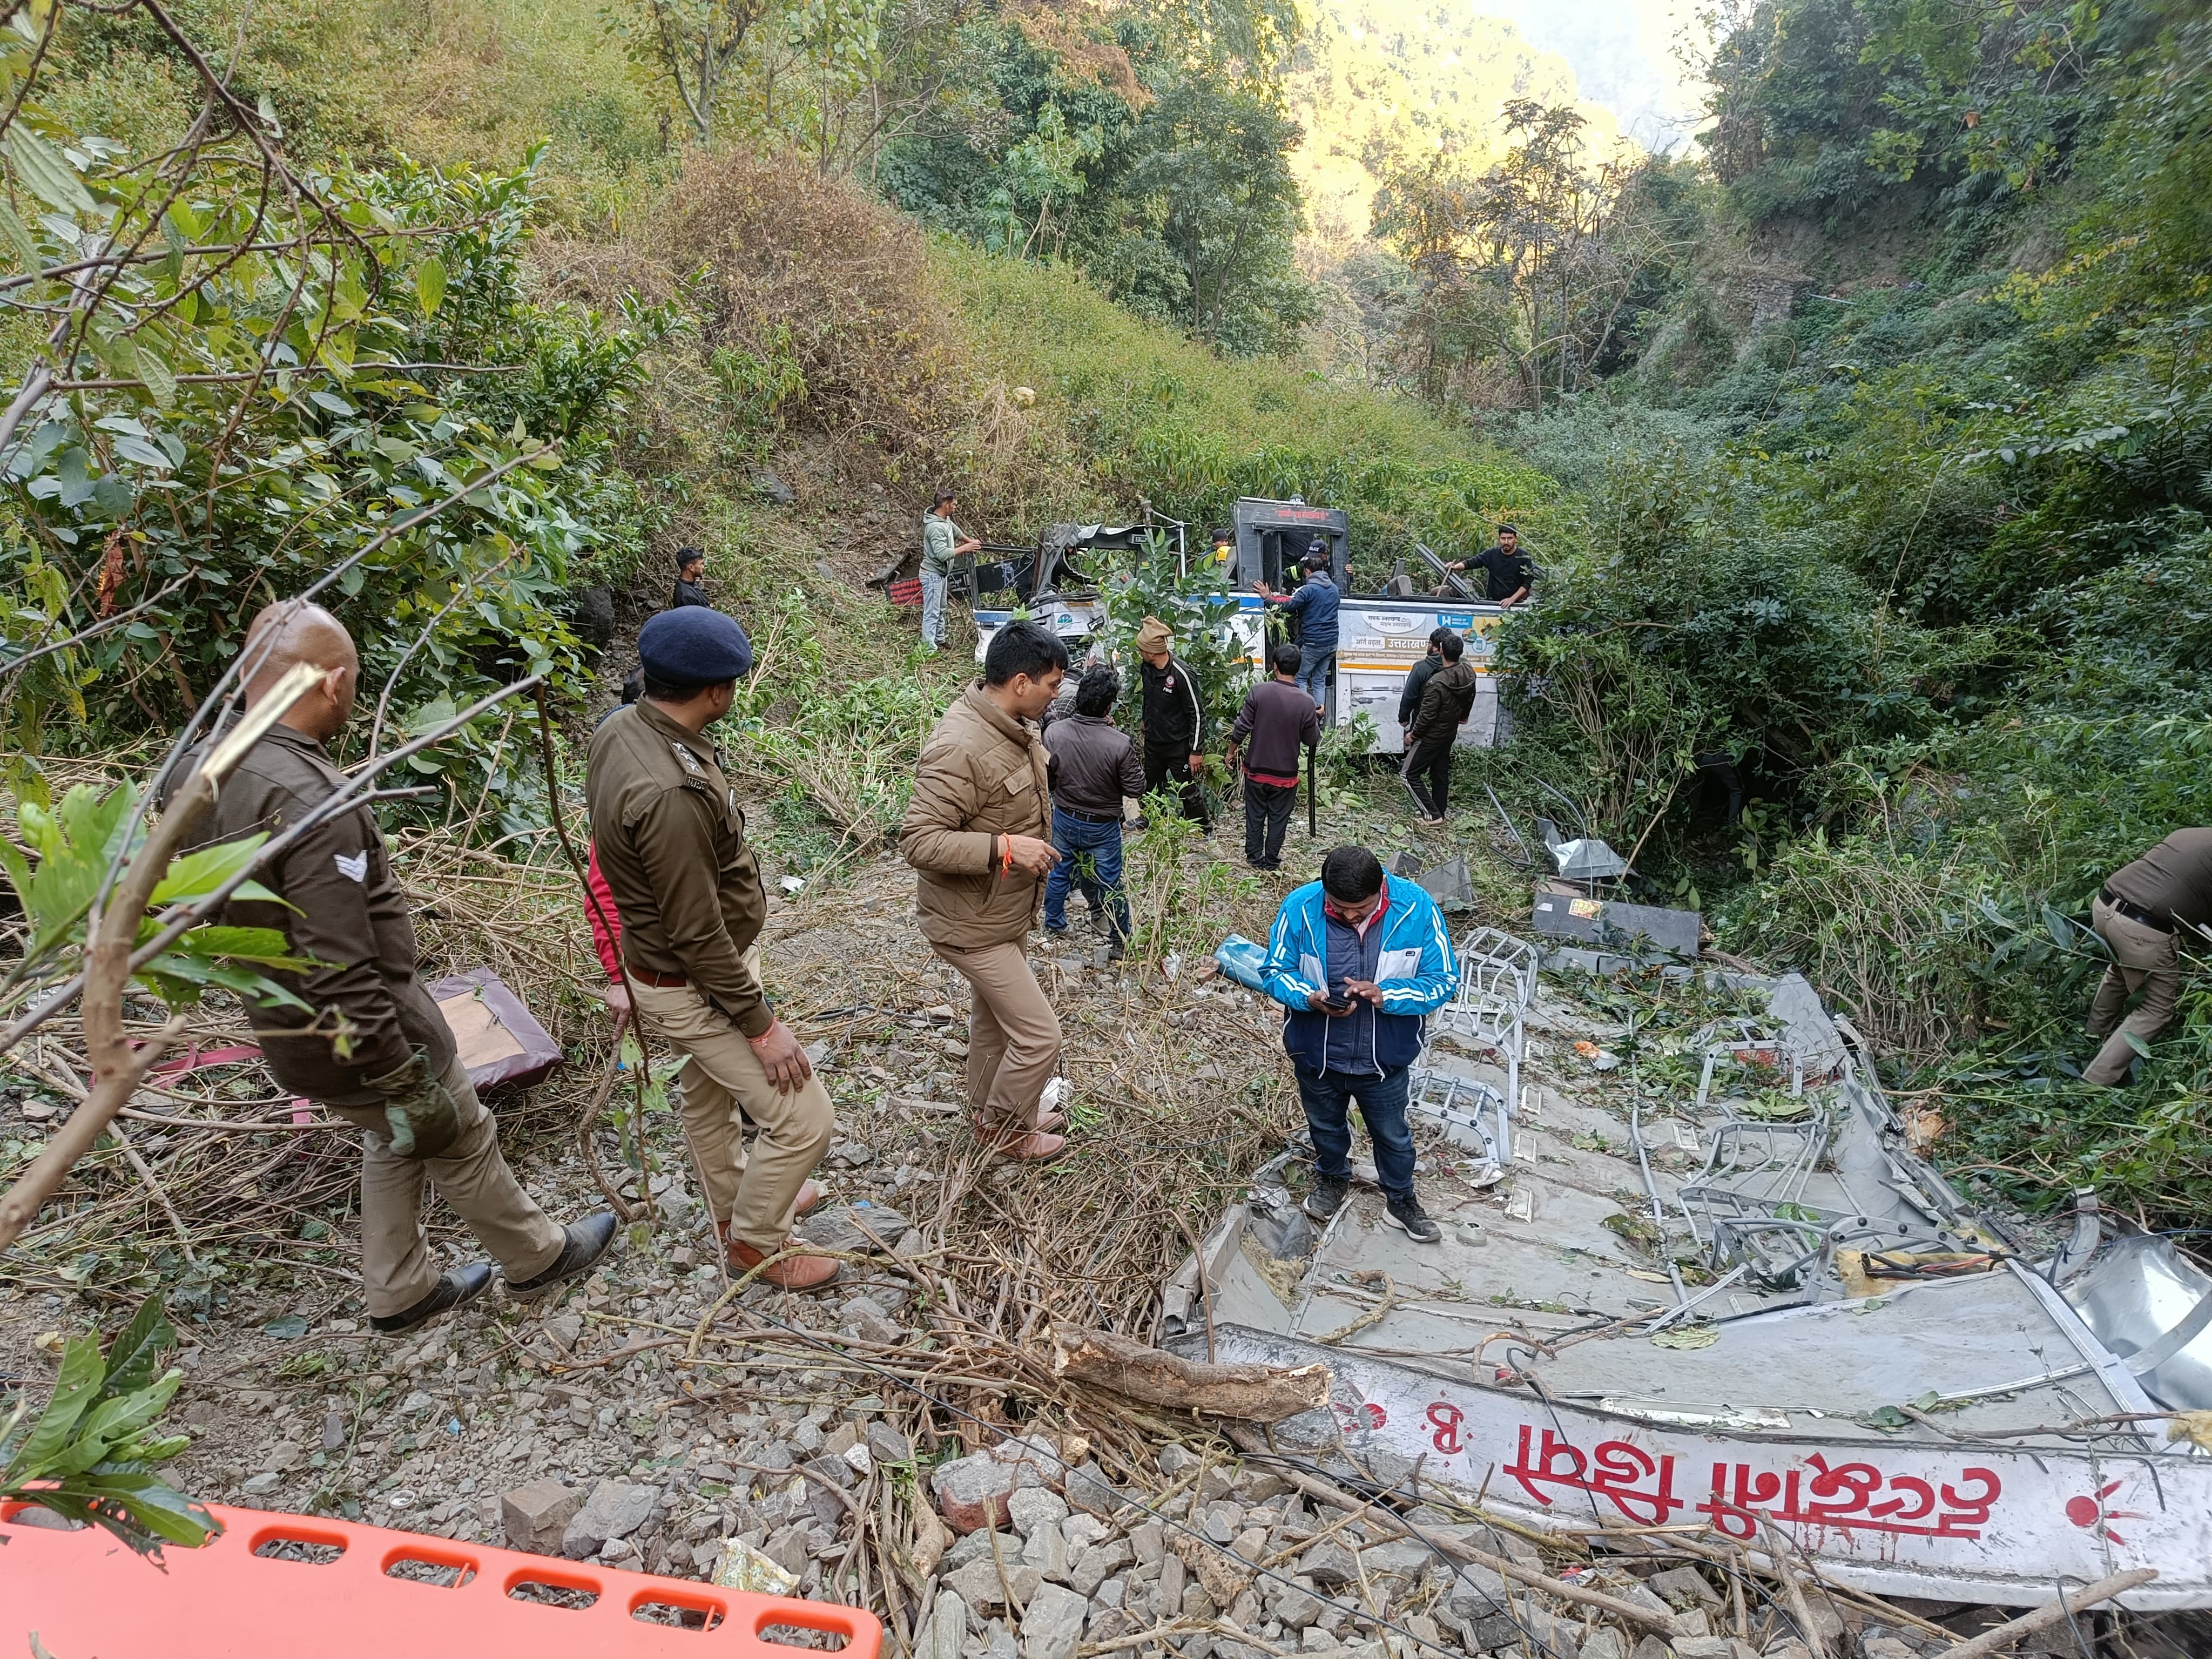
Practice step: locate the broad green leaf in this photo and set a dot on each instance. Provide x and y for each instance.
(161, 380)
(203, 872)
(75, 1389)
(137, 1347)
(109, 1424)
(265, 946)
(137, 449)
(430, 284)
(19, 869)
(47, 171)
(158, 1509)
(20, 242)
(179, 979)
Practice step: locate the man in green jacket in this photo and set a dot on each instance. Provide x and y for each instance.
(941, 544)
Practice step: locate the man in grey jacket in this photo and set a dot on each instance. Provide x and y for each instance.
(1094, 765)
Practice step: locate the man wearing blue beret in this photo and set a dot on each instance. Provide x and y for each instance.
(671, 844)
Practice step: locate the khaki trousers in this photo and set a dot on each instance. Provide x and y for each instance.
(1013, 1035)
(396, 1267)
(723, 1084)
(2143, 959)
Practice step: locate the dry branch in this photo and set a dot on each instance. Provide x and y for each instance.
(1998, 1640)
(1247, 1394)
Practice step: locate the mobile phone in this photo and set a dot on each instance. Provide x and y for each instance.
(1338, 1000)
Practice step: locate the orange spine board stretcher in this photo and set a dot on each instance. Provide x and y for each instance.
(88, 1596)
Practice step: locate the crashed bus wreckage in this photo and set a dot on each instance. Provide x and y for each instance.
(1753, 1313)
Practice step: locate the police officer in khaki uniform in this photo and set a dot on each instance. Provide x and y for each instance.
(2139, 913)
(364, 1038)
(671, 844)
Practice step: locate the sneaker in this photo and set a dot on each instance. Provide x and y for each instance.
(796, 1273)
(587, 1241)
(455, 1286)
(1116, 951)
(1061, 932)
(1327, 1197)
(1409, 1218)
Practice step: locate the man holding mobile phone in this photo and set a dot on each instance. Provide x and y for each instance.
(1360, 961)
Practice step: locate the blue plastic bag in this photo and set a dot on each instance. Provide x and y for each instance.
(1242, 960)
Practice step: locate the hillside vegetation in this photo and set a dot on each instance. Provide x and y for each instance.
(1866, 443)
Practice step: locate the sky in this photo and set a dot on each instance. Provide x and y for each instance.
(1624, 56)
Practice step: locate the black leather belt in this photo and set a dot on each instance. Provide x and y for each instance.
(1090, 817)
(2135, 912)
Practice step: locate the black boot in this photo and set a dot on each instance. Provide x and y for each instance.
(587, 1241)
(455, 1286)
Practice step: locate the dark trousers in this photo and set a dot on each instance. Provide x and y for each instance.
(1328, 1098)
(1090, 857)
(1427, 774)
(1268, 809)
(1170, 768)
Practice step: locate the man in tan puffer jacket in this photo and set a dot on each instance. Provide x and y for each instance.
(978, 833)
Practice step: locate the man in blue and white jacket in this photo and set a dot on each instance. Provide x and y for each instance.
(1360, 959)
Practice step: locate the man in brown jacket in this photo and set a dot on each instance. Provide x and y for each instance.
(670, 841)
(975, 834)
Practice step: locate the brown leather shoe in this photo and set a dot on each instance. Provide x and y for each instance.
(798, 1273)
(1046, 1123)
(810, 1198)
(1033, 1147)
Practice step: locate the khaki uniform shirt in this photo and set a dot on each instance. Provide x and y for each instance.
(984, 774)
(2174, 878)
(367, 1008)
(671, 845)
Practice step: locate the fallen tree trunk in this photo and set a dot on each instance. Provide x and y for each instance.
(1249, 1394)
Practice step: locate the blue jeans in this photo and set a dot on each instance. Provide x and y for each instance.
(933, 583)
(1313, 675)
(1098, 849)
(1328, 1098)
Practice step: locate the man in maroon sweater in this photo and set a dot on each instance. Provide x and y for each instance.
(1276, 724)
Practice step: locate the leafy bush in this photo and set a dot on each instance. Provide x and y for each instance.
(89, 1455)
(237, 413)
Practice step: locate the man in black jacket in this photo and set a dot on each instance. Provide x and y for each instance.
(1508, 573)
(690, 567)
(1094, 766)
(1446, 702)
(1279, 721)
(1174, 722)
(1409, 699)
